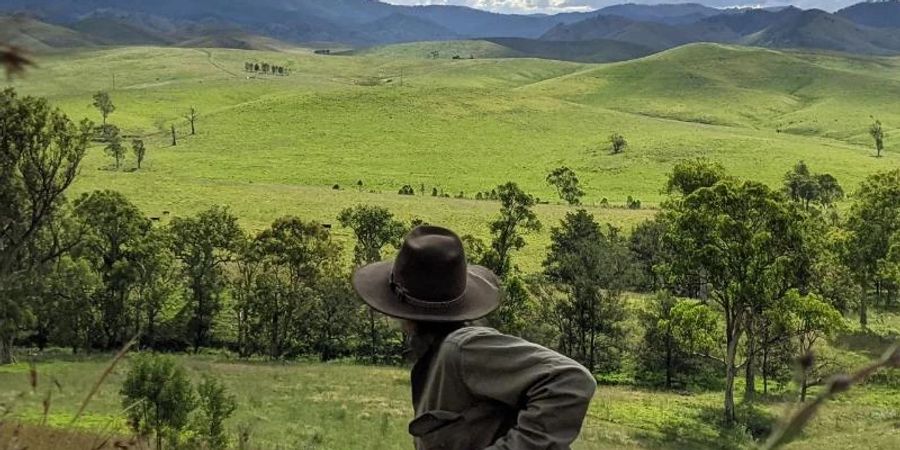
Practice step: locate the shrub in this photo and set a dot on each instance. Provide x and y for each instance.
(158, 397)
(407, 190)
(216, 405)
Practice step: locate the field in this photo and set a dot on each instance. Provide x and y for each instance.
(271, 146)
(344, 406)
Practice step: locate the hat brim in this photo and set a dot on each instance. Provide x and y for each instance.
(482, 296)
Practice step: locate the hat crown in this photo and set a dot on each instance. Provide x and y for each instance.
(431, 265)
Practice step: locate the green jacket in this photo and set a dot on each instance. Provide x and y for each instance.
(480, 389)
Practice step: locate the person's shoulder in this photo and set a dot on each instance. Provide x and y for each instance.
(461, 336)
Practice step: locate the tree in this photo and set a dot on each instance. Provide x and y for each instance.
(215, 406)
(157, 396)
(873, 221)
(174, 137)
(104, 104)
(689, 175)
(804, 187)
(292, 257)
(739, 240)
(516, 215)
(114, 146)
(566, 184)
(113, 228)
(40, 152)
(374, 228)
(204, 244)
(646, 245)
(617, 143)
(157, 282)
(591, 267)
(677, 332)
(877, 133)
(137, 146)
(191, 117)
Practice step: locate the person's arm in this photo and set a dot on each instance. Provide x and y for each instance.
(551, 392)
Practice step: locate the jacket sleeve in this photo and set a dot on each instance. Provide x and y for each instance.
(550, 392)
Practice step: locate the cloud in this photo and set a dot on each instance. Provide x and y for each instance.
(556, 6)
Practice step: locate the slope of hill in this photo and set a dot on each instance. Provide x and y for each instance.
(753, 20)
(594, 51)
(236, 40)
(405, 28)
(880, 14)
(816, 29)
(36, 36)
(672, 14)
(657, 36)
(110, 31)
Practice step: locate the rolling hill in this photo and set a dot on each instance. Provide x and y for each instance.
(36, 36)
(653, 35)
(820, 30)
(594, 51)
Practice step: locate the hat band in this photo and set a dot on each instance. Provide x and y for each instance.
(404, 296)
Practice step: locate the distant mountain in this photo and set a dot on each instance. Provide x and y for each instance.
(879, 14)
(594, 51)
(750, 21)
(819, 30)
(672, 14)
(404, 28)
(111, 31)
(654, 35)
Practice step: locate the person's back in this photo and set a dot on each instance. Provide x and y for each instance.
(472, 387)
(480, 388)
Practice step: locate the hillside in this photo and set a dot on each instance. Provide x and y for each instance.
(595, 51)
(110, 31)
(819, 30)
(672, 14)
(37, 36)
(879, 14)
(657, 36)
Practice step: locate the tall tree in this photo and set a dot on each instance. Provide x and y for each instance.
(566, 183)
(805, 187)
(591, 266)
(114, 146)
(516, 216)
(104, 104)
(740, 240)
(877, 133)
(40, 152)
(874, 220)
(374, 228)
(113, 229)
(140, 151)
(191, 117)
(204, 244)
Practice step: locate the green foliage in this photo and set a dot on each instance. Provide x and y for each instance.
(689, 175)
(374, 228)
(873, 222)
(158, 397)
(104, 104)
(215, 406)
(516, 217)
(805, 187)
(114, 146)
(617, 143)
(566, 183)
(40, 154)
(877, 133)
(140, 151)
(204, 244)
(591, 266)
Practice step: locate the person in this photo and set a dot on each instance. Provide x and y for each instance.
(472, 387)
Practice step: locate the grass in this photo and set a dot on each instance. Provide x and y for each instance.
(270, 146)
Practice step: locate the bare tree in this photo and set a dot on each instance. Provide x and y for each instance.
(191, 117)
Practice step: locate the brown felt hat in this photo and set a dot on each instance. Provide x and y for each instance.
(429, 281)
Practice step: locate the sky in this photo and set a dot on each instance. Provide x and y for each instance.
(556, 6)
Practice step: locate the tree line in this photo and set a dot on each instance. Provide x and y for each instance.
(738, 279)
(266, 68)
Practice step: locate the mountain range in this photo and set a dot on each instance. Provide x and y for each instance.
(871, 28)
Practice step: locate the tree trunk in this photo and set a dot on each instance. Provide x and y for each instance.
(750, 368)
(730, 372)
(669, 359)
(6, 347)
(765, 370)
(373, 335)
(863, 311)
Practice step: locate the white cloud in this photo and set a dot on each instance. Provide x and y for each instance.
(555, 6)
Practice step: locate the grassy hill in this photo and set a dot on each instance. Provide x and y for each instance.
(37, 36)
(272, 146)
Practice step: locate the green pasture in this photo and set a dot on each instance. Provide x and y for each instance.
(270, 146)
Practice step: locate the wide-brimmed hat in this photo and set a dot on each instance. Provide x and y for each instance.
(429, 280)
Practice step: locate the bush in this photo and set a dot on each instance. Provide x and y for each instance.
(216, 405)
(407, 190)
(158, 398)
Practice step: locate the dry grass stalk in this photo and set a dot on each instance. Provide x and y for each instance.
(794, 423)
(103, 377)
